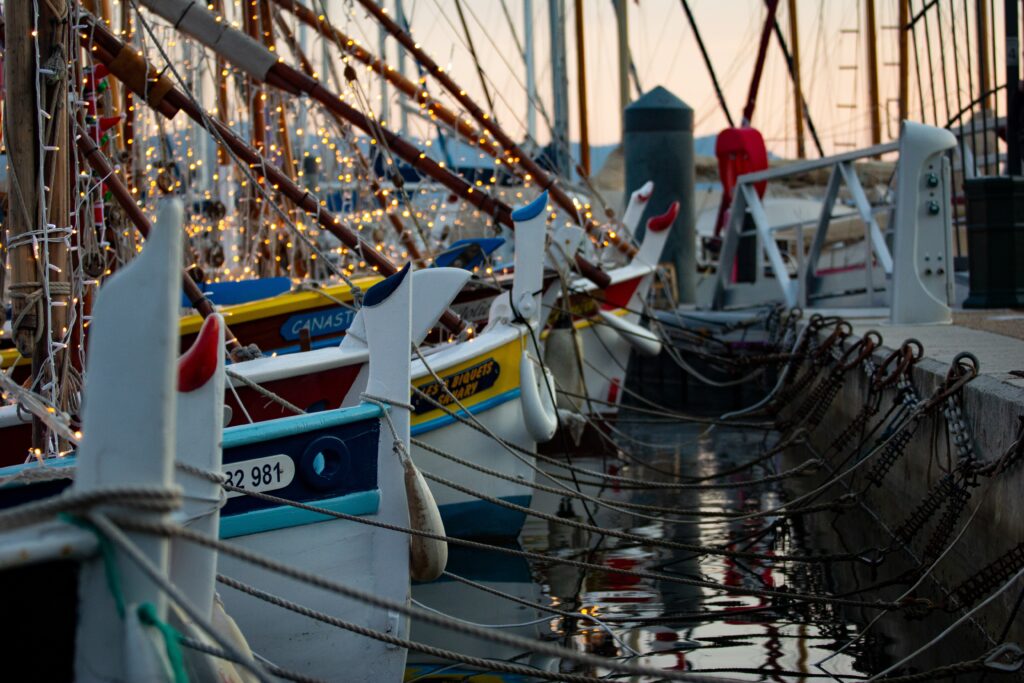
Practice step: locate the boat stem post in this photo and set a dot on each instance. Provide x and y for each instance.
(658, 145)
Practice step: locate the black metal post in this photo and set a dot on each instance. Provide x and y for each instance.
(1012, 89)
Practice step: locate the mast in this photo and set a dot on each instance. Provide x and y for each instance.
(531, 77)
(559, 87)
(874, 98)
(402, 62)
(984, 58)
(581, 81)
(382, 50)
(798, 95)
(622, 27)
(904, 29)
(40, 201)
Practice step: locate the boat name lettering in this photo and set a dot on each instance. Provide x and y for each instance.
(461, 385)
(260, 474)
(319, 323)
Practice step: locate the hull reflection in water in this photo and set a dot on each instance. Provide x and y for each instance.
(497, 571)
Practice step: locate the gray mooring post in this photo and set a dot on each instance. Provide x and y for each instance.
(658, 145)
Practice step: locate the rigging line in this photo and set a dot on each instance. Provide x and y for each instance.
(708, 63)
(907, 593)
(956, 74)
(476, 60)
(172, 529)
(917, 69)
(791, 67)
(952, 627)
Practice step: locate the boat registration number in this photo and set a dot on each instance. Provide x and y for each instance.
(260, 474)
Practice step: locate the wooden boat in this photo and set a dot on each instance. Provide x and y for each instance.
(484, 374)
(99, 609)
(341, 460)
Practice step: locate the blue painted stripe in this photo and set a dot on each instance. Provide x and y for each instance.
(261, 432)
(285, 517)
(315, 344)
(481, 519)
(531, 210)
(475, 409)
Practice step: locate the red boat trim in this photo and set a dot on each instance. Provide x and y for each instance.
(662, 222)
(197, 366)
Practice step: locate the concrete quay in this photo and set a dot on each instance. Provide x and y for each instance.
(993, 407)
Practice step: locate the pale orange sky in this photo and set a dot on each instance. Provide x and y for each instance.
(666, 54)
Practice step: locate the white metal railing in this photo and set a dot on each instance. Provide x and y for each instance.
(920, 220)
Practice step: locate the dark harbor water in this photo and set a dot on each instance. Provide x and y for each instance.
(665, 624)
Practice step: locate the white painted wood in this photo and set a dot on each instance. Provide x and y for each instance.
(129, 426)
(433, 291)
(200, 424)
(640, 338)
(529, 262)
(635, 208)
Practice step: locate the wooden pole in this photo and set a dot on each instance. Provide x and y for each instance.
(581, 81)
(559, 90)
(904, 30)
(222, 95)
(622, 30)
(798, 95)
(874, 96)
(40, 196)
(984, 55)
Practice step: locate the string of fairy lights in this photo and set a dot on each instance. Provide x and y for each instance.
(233, 231)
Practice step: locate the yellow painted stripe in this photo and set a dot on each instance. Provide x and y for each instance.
(289, 302)
(507, 358)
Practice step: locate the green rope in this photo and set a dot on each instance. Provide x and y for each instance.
(109, 555)
(171, 636)
(146, 611)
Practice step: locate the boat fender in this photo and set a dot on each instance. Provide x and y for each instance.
(427, 556)
(204, 667)
(539, 414)
(640, 338)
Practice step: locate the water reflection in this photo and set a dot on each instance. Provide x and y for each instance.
(673, 625)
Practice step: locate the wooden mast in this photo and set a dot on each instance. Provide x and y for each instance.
(903, 28)
(984, 57)
(874, 97)
(798, 94)
(581, 80)
(40, 197)
(622, 33)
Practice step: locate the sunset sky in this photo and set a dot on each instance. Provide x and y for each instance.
(665, 53)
